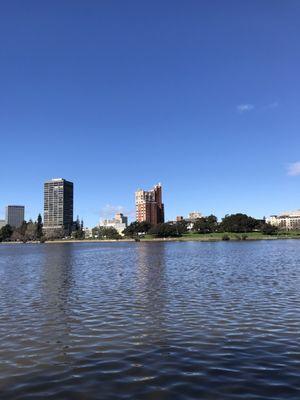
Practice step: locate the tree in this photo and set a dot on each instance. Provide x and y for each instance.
(239, 223)
(206, 224)
(39, 227)
(52, 234)
(77, 224)
(165, 230)
(22, 229)
(136, 228)
(31, 231)
(182, 227)
(106, 232)
(28, 231)
(6, 233)
(268, 229)
(78, 232)
(17, 236)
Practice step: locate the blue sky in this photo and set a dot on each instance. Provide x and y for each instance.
(203, 96)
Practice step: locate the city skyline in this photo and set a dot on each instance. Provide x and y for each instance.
(150, 199)
(58, 209)
(117, 96)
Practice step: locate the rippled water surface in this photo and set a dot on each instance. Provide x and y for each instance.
(150, 321)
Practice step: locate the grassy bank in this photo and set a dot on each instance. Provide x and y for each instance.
(211, 237)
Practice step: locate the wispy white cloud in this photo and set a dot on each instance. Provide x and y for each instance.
(270, 106)
(109, 210)
(293, 169)
(242, 108)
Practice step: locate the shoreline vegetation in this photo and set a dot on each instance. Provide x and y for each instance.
(189, 237)
(234, 227)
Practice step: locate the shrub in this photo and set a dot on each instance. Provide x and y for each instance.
(269, 229)
(137, 228)
(165, 230)
(225, 237)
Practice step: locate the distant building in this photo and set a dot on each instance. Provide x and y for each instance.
(288, 220)
(2, 223)
(14, 216)
(149, 205)
(119, 223)
(58, 205)
(119, 217)
(194, 215)
(88, 233)
(179, 218)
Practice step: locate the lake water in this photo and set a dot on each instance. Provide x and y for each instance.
(150, 321)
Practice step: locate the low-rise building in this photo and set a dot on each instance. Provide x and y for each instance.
(288, 220)
(190, 219)
(194, 215)
(119, 223)
(88, 234)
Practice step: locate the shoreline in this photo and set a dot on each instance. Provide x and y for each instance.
(151, 240)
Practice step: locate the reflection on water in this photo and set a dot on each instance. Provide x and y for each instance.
(151, 295)
(150, 320)
(57, 283)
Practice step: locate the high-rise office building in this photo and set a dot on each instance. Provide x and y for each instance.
(14, 216)
(149, 205)
(58, 205)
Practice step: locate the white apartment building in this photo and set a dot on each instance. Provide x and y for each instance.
(88, 234)
(119, 223)
(194, 215)
(288, 220)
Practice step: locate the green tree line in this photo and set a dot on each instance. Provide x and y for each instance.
(28, 231)
(234, 223)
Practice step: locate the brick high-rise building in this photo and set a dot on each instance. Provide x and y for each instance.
(58, 205)
(149, 205)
